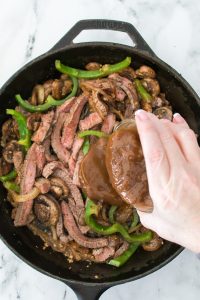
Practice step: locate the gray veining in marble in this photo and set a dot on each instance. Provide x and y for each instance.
(29, 28)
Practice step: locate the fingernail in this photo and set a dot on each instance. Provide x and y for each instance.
(141, 114)
(178, 118)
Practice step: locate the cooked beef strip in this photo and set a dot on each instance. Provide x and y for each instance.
(104, 87)
(51, 167)
(43, 185)
(46, 122)
(122, 249)
(40, 158)
(65, 107)
(78, 142)
(59, 149)
(27, 182)
(108, 123)
(127, 86)
(90, 121)
(47, 144)
(75, 232)
(105, 254)
(72, 120)
(97, 105)
(76, 180)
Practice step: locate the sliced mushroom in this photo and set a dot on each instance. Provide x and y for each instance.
(151, 85)
(9, 131)
(46, 210)
(58, 187)
(145, 71)
(60, 88)
(92, 66)
(128, 73)
(164, 113)
(33, 121)
(9, 150)
(37, 96)
(5, 167)
(154, 244)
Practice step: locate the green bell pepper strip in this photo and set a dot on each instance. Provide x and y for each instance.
(92, 209)
(9, 176)
(50, 101)
(12, 186)
(135, 220)
(24, 132)
(86, 146)
(97, 133)
(122, 259)
(104, 71)
(111, 212)
(146, 97)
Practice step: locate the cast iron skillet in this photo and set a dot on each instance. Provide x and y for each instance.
(90, 282)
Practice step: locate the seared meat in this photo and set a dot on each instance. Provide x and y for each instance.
(90, 121)
(47, 144)
(43, 185)
(127, 86)
(97, 105)
(76, 234)
(27, 182)
(101, 255)
(59, 149)
(108, 123)
(72, 120)
(76, 179)
(46, 122)
(78, 142)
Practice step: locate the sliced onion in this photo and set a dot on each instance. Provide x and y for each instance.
(23, 198)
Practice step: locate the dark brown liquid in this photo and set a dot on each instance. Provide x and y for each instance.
(126, 167)
(94, 176)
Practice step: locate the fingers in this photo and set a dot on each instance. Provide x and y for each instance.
(186, 138)
(172, 149)
(157, 165)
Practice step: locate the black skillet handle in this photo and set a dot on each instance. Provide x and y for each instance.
(138, 41)
(83, 292)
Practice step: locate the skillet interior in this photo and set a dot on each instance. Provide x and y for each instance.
(21, 240)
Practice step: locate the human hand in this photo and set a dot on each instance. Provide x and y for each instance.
(172, 158)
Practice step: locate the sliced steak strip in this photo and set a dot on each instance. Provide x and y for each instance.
(65, 107)
(108, 123)
(43, 185)
(104, 254)
(51, 167)
(27, 182)
(47, 144)
(40, 158)
(76, 180)
(64, 238)
(72, 120)
(90, 121)
(122, 249)
(59, 149)
(127, 86)
(76, 234)
(78, 142)
(46, 123)
(97, 105)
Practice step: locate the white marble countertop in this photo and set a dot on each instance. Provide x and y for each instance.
(172, 29)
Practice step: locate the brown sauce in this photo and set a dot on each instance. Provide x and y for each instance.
(94, 176)
(126, 167)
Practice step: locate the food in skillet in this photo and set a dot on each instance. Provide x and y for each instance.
(72, 162)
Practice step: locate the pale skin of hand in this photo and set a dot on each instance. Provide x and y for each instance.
(172, 158)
